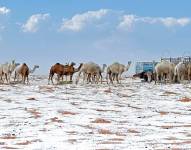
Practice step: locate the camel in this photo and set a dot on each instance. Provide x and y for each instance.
(180, 71)
(189, 71)
(58, 69)
(17, 74)
(7, 69)
(34, 68)
(92, 77)
(89, 70)
(62, 70)
(70, 70)
(22, 70)
(116, 70)
(163, 69)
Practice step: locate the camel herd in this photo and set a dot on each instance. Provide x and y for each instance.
(173, 72)
(7, 69)
(93, 73)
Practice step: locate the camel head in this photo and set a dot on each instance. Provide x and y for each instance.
(78, 69)
(129, 62)
(103, 68)
(72, 64)
(13, 61)
(127, 67)
(81, 64)
(104, 65)
(17, 64)
(36, 66)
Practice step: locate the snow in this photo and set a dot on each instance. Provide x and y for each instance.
(131, 115)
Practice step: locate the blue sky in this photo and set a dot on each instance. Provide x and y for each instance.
(47, 31)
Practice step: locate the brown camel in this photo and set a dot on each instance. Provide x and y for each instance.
(69, 70)
(23, 70)
(62, 70)
(58, 69)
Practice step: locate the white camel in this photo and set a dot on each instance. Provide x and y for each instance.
(93, 76)
(7, 69)
(189, 71)
(163, 69)
(116, 70)
(4, 68)
(31, 71)
(180, 71)
(90, 69)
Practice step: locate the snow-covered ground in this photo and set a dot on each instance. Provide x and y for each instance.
(132, 115)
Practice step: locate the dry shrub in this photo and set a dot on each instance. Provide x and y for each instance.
(104, 131)
(55, 119)
(31, 98)
(185, 99)
(133, 131)
(66, 112)
(100, 120)
(8, 147)
(34, 112)
(8, 137)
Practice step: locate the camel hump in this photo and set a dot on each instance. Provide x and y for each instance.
(24, 64)
(57, 63)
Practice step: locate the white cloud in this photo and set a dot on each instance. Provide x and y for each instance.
(170, 21)
(128, 21)
(79, 21)
(4, 10)
(33, 22)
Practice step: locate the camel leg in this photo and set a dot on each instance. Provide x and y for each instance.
(182, 78)
(6, 78)
(157, 77)
(49, 78)
(178, 78)
(1, 78)
(9, 77)
(120, 78)
(170, 77)
(90, 78)
(110, 78)
(113, 77)
(93, 79)
(97, 78)
(66, 77)
(174, 78)
(101, 78)
(15, 76)
(58, 79)
(27, 79)
(71, 77)
(24, 79)
(117, 78)
(78, 77)
(107, 78)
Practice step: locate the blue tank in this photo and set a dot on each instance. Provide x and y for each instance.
(145, 67)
